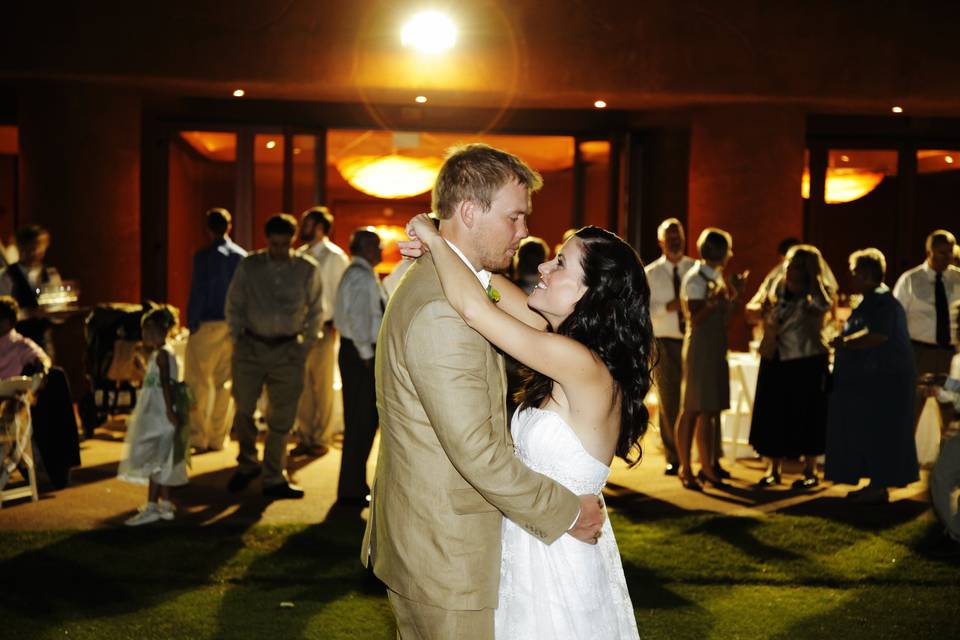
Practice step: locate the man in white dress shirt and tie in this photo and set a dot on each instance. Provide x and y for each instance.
(315, 409)
(664, 276)
(929, 294)
(361, 300)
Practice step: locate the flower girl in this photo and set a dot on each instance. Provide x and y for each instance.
(155, 450)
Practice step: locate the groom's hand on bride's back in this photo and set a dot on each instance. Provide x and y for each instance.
(587, 527)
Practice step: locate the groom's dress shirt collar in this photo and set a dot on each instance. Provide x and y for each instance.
(483, 275)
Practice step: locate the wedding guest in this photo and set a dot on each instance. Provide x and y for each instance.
(361, 301)
(945, 476)
(274, 307)
(209, 349)
(774, 275)
(707, 301)
(315, 409)
(927, 293)
(870, 418)
(24, 279)
(669, 324)
(52, 417)
(531, 253)
(789, 418)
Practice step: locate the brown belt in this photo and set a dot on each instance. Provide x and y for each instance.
(270, 341)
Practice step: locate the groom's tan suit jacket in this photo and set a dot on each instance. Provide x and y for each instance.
(446, 469)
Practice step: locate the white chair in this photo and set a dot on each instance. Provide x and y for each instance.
(735, 423)
(16, 443)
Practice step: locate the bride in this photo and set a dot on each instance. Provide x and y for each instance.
(585, 334)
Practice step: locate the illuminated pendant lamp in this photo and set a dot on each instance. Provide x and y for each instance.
(845, 184)
(390, 176)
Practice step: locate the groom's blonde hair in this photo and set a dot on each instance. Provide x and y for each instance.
(476, 172)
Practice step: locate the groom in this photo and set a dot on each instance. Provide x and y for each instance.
(447, 473)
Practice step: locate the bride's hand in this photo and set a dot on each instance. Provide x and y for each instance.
(420, 229)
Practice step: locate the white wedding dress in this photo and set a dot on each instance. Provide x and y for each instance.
(567, 590)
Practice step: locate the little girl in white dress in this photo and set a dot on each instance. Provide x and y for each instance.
(154, 451)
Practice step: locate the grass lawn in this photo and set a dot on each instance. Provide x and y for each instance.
(821, 571)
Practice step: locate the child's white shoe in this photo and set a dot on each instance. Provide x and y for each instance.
(166, 509)
(145, 515)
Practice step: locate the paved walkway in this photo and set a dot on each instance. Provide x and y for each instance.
(96, 498)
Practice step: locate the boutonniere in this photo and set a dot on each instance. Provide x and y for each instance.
(493, 294)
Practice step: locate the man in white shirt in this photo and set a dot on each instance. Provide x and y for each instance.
(23, 281)
(315, 409)
(929, 294)
(664, 276)
(360, 303)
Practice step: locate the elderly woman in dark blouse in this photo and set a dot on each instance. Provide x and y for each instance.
(870, 424)
(790, 409)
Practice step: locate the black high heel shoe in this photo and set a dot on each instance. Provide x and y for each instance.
(690, 483)
(721, 473)
(703, 478)
(768, 480)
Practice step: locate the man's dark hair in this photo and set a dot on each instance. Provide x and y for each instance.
(9, 309)
(786, 244)
(320, 216)
(281, 224)
(218, 221)
(714, 244)
(531, 254)
(363, 238)
(28, 234)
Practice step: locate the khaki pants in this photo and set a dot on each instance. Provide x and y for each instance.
(419, 621)
(207, 373)
(667, 377)
(279, 368)
(315, 410)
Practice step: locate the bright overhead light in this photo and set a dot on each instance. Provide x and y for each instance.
(271, 144)
(844, 158)
(429, 32)
(897, 109)
(238, 93)
(421, 99)
(600, 104)
(391, 176)
(296, 151)
(948, 159)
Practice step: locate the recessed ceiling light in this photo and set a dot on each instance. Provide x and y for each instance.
(429, 32)
(600, 104)
(948, 159)
(271, 144)
(296, 151)
(897, 109)
(238, 93)
(421, 99)
(844, 158)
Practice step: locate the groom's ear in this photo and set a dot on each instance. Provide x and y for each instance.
(468, 210)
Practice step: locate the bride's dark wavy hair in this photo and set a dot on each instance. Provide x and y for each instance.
(612, 319)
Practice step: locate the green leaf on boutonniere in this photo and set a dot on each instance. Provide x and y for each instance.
(493, 294)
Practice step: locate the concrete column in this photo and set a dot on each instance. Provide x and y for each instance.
(746, 164)
(80, 178)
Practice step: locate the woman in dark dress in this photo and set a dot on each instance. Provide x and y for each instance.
(870, 424)
(790, 410)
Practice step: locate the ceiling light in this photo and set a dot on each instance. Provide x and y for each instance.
(844, 158)
(600, 104)
(238, 93)
(897, 109)
(429, 32)
(948, 159)
(390, 176)
(421, 99)
(271, 144)
(845, 184)
(296, 151)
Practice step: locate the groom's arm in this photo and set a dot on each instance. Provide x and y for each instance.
(445, 359)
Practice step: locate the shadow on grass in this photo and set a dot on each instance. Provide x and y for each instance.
(313, 585)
